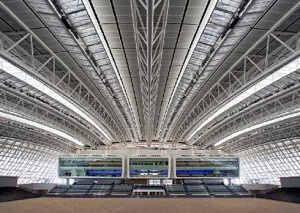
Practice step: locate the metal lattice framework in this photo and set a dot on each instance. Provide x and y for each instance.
(247, 70)
(165, 74)
(150, 19)
(26, 108)
(92, 47)
(194, 72)
(282, 132)
(270, 110)
(268, 162)
(16, 131)
(55, 73)
(31, 162)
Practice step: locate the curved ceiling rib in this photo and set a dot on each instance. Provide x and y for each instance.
(150, 76)
(217, 21)
(133, 112)
(15, 102)
(262, 117)
(79, 17)
(149, 21)
(273, 122)
(91, 77)
(205, 102)
(280, 74)
(14, 118)
(248, 13)
(19, 97)
(194, 73)
(284, 132)
(24, 77)
(246, 72)
(269, 107)
(65, 82)
(14, 130)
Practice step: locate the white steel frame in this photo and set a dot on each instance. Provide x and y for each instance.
(149, 37)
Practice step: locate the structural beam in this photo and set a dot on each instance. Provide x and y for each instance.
(149, 35)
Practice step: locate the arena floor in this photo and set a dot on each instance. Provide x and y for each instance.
(147, 205)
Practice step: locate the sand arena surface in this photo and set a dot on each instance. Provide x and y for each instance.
(147, 205)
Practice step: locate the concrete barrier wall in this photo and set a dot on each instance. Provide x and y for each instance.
(8, 181)
(38, 186)
(289, 182)
(259, 188)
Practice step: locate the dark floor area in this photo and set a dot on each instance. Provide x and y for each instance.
(283, 194)
(15, 193)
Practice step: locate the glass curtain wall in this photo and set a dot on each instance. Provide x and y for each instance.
(31, 162)
(268, 162)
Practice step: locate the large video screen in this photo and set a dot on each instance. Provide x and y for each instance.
(81, 167)
(148, 167)
(207, 167)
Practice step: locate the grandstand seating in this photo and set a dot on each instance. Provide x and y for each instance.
(238, 190)
(197, 190)
(219, 190)
(78, 189)
(100, 189)
(59, 189)
(122, 189)
(110, 188)
(176, 190)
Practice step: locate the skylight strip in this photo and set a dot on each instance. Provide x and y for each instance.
(107, 50)
(39, 126)
(100, 34)
(200, 30)
(251, 128)
(23, 76)
(279, 74)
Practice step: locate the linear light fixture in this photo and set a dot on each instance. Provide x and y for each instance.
(191, 50)
(23, 76)
(263, 124)
(100, 34)
(277, 75)
(40, 126)
(107, 50)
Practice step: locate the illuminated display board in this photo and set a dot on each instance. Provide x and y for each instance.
(148, 167)
(206, 167)
(90, 166)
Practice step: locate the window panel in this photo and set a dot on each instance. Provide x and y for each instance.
(31, 162)
(267, 163)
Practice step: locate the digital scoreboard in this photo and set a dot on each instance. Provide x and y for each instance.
(148, 167)
(206, 167)
(90, 166)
